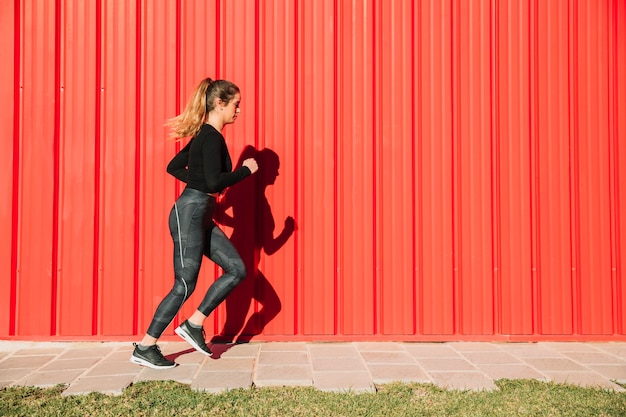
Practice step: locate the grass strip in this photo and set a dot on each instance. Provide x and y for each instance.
(162, 398)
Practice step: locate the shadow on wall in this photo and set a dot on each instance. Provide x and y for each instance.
(253, 231)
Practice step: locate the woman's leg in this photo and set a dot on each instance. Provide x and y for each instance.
(224, 254)
(186, 227)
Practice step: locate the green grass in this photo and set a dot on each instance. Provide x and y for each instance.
(514, 398)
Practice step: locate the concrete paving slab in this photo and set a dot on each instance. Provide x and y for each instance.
(585, 379)
(332, 350)
(474, 346)
(613, 372)
(283, 358)
(9, 376)
(554, 364)
(569, 346)
(283, 375)
(188, 357)
(119, 356)
(182, 373)
(378, 346)
(588, 358)
(470, 380)
(86, 352)
(529, 350)
(109, 384)
(387, 357)
(385, 374)
(25, 361)
(492, 357)
(284, 347)
(614, 348)
(116, 367)
(220, 381)
(337, 363)
(49, 379)
(54, 351)
(445, 364)
(67, 364)
(430, 350)
(511, 371)
(233, 351)
(357, 382)
(228, 364)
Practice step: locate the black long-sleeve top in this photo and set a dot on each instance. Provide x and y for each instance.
(205, 164)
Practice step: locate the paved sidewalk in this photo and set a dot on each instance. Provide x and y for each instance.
(357, 366)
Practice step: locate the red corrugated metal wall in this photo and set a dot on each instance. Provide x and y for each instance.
(455, 168)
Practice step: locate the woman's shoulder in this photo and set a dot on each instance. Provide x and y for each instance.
(208, 130)
(209, 134)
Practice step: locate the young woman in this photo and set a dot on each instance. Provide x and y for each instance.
(205, 165)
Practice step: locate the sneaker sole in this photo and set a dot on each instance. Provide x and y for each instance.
(143, 362)
(190, 340)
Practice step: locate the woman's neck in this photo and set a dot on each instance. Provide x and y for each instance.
(215, 121)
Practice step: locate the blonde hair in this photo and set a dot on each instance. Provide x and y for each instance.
(202, 101)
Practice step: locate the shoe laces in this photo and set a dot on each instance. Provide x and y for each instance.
(155, 347)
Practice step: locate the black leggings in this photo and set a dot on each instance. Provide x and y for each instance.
(195, 235)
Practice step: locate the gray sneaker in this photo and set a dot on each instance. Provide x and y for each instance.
(152, 358)
(195, 337)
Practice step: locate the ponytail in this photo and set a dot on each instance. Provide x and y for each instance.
(202, 101)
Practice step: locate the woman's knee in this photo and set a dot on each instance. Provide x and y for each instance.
(238, 269)
(183, 288)
(232, 264)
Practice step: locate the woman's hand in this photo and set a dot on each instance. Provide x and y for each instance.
(251, 164)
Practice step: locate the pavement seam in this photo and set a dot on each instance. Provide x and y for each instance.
(545, 376)
(17, 382)
(369, 371)
(430, 377)
(86, 371)
(561, 355)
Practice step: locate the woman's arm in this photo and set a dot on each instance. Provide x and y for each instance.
(216, 179)
(178, 165)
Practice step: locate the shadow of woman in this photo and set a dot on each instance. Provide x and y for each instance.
(253, 230)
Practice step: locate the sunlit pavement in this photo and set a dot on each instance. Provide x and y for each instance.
(86, 367)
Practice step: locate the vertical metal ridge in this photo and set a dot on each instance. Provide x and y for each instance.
(616, 236)
(256, 129)
(15, 217)
(335, 171)
(97, 167)
(495, 166)
(454, 137)
(339, 324)
(418, 132)
(613, 166)
(137, 179)
(574, 164)
(177, 54)
(296, 200)
(375, 211)
(257, 59)
(56, 168)
(533, 71)
(218, 40)
(415, 76)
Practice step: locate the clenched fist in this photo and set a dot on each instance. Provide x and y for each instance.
(251, 164)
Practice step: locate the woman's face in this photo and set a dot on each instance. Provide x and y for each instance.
(232, 110)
